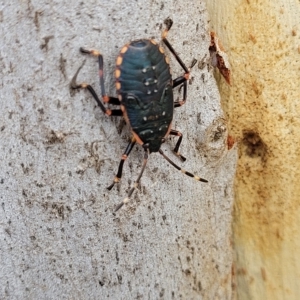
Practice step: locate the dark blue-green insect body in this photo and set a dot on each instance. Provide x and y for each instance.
(144, 87)
(145, 95)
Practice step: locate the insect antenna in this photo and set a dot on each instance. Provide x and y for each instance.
(146, 155)
(180, 169)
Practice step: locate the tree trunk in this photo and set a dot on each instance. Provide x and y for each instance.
(262, 39)
(59, 237)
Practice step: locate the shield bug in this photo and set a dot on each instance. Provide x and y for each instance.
(145, 95)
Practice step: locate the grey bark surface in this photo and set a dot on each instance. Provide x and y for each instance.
(58, 236)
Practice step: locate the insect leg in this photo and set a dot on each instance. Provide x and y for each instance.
(111, 100)
(179, 134)
(168, 22)
(181, 79)
(124, 157)
(181, 102)
(146, 155)
(106, 99)
(180, 169)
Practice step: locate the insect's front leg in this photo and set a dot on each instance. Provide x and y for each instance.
(105, 98)
(181, 79)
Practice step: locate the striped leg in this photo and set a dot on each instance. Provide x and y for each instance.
(124, 157)
(136, 184)
(180, 169)
(179, 134)
(181, 79)
(105, 98)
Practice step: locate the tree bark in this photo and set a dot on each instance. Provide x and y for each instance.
(262, 39)
(59, 237)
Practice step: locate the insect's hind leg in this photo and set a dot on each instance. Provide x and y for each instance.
(180, 169)
(105, 98)
(136, 183)
(179, 134)
(124, 157)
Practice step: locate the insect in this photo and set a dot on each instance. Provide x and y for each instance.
(145, 95)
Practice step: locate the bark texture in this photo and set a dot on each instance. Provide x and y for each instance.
(262, 39)
(58, 236)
